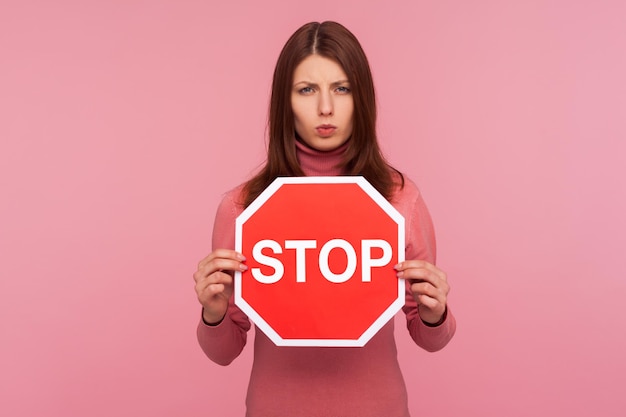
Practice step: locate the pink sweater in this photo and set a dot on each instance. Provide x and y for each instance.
(327, 381)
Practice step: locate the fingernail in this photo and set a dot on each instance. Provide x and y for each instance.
(241, 257)
(397, 266)
(243, 267)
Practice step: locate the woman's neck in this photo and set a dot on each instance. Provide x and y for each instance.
(318, 163)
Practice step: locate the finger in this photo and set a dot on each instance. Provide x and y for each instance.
(214, 299)
(216, 278)
(428, 290)
(430, 303)
(421, 271)
(221, 253)
(422, 275)
(418, 264)
(214, 284)
(219, 265)
(207, 291)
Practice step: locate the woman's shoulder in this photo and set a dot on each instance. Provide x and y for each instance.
(232, 201)
(234, 194)
(406, 189)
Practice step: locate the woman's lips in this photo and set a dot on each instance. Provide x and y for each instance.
(325, 130)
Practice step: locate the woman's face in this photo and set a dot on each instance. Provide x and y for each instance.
(322, 103)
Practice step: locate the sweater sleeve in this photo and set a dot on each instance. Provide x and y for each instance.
(223, 342)
(420, 244)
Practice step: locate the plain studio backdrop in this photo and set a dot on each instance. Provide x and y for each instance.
(123, 122)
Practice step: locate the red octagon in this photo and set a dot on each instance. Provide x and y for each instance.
(320, 253)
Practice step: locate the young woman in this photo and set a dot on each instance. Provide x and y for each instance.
(322, 122)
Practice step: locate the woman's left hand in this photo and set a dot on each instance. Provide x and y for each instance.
(429, 286)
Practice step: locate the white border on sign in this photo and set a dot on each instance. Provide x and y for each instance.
(382, 319)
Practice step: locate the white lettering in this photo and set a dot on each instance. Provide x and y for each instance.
(300, 246)
(367, 263)
(350, 267)
(257, 254)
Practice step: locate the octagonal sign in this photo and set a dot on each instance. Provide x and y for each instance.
(320, 253)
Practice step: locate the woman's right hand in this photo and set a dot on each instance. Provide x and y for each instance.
(214, 282)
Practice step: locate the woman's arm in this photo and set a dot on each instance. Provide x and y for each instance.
(429, 319)
(222, 330)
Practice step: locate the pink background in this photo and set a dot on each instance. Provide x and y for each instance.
(122, 122)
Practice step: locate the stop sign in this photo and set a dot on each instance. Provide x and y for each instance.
(320, 253)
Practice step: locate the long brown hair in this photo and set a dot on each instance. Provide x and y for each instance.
(363, 155)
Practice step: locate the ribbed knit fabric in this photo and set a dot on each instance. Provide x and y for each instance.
(316, 163)
(326, 381)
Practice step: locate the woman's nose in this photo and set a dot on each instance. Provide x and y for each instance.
(325, 104)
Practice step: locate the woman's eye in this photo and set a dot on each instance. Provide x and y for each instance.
(306, 90)
(343, 90)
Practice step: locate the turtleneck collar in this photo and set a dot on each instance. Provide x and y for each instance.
(318, 163)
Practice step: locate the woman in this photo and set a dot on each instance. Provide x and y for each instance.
(322, 122)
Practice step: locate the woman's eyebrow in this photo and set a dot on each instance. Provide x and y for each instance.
(312, 84)
(308, 83)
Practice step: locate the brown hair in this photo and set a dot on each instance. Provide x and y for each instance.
(363, 155)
